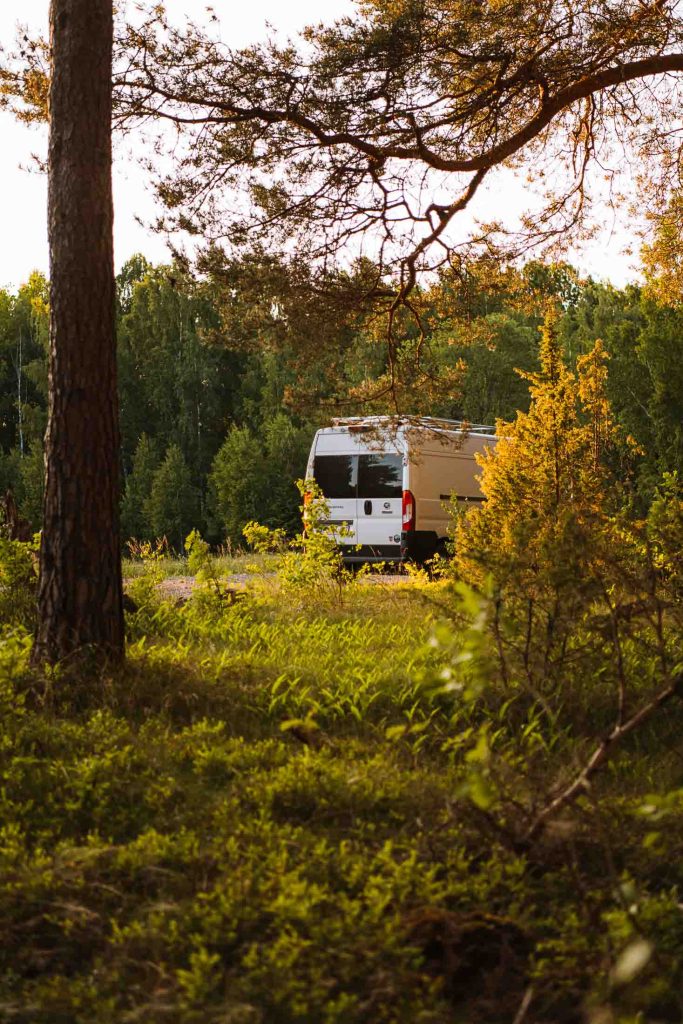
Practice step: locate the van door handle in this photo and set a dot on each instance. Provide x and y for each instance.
(368, 508)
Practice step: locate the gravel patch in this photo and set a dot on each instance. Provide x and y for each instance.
(180, 587)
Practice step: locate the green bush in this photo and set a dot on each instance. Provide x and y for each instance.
(311, 564)
(18, 580)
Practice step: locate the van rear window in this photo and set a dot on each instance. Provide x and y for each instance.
(336, 475)
(380, 476)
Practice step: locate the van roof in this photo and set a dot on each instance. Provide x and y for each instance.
(368, 423)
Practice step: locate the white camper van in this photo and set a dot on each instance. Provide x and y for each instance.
(389, 481)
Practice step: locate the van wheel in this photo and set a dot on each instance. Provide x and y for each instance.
(442, 548)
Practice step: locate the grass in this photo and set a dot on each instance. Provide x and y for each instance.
(274, 813)
(225, 564)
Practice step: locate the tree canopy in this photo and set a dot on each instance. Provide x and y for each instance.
(381, 141)
(379, 130)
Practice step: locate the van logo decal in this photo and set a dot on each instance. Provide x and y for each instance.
(387, 504)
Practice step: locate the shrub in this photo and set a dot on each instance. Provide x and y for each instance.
(18, 579)
(577, 600)
(312, 563)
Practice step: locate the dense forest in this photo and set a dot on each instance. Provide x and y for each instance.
(219, 401)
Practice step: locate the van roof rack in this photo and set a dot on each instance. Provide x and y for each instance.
(435, 422)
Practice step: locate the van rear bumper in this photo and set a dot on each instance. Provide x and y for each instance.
(415, 546)
(357, 554)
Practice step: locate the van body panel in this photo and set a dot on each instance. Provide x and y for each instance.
(441, 472)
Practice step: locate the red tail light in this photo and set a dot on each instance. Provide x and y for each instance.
(308, 498)
(408, 511)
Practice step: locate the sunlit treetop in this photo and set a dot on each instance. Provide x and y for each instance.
(663, 256)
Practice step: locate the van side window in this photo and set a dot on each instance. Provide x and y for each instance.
(380, 476)
(336, 475)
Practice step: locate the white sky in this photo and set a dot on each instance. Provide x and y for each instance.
(23, 201)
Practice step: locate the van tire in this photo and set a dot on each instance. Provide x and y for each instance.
(442, 548)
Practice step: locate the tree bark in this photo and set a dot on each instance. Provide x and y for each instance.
(80, 605)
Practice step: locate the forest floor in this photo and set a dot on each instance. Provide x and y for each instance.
(180, 588)
(236, 572)
(300, 807)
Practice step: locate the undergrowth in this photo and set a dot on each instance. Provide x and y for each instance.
(170, 564)
(279, 811)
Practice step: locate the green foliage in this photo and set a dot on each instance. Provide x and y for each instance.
(29, 483)
(173, 385)
(665, 532)
(138, 489)
(237, 481)
(200, 563)
(492, 349)
(231, 364)
(573, 606)
(645, 341)
(546, 520)
(287, 447)
(289, 814)
(312, 564)
(149, 559)
(172, 508)
(662, 257)
(289, 808)
(264, 540)
(18, 579)
(23, 388)
(198, 554)
(253, 477)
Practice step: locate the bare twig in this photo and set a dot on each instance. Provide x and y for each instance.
(600, 756)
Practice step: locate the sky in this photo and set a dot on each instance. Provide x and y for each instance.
(23, 189)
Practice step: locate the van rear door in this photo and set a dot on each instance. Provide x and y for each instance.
(337, 477)
(379, 502)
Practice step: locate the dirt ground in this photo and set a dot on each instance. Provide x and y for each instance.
(180, 587)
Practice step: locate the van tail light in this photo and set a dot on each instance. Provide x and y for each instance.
(308, 497)
(408, 511)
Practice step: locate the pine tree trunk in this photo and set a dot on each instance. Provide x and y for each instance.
(80, 590)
